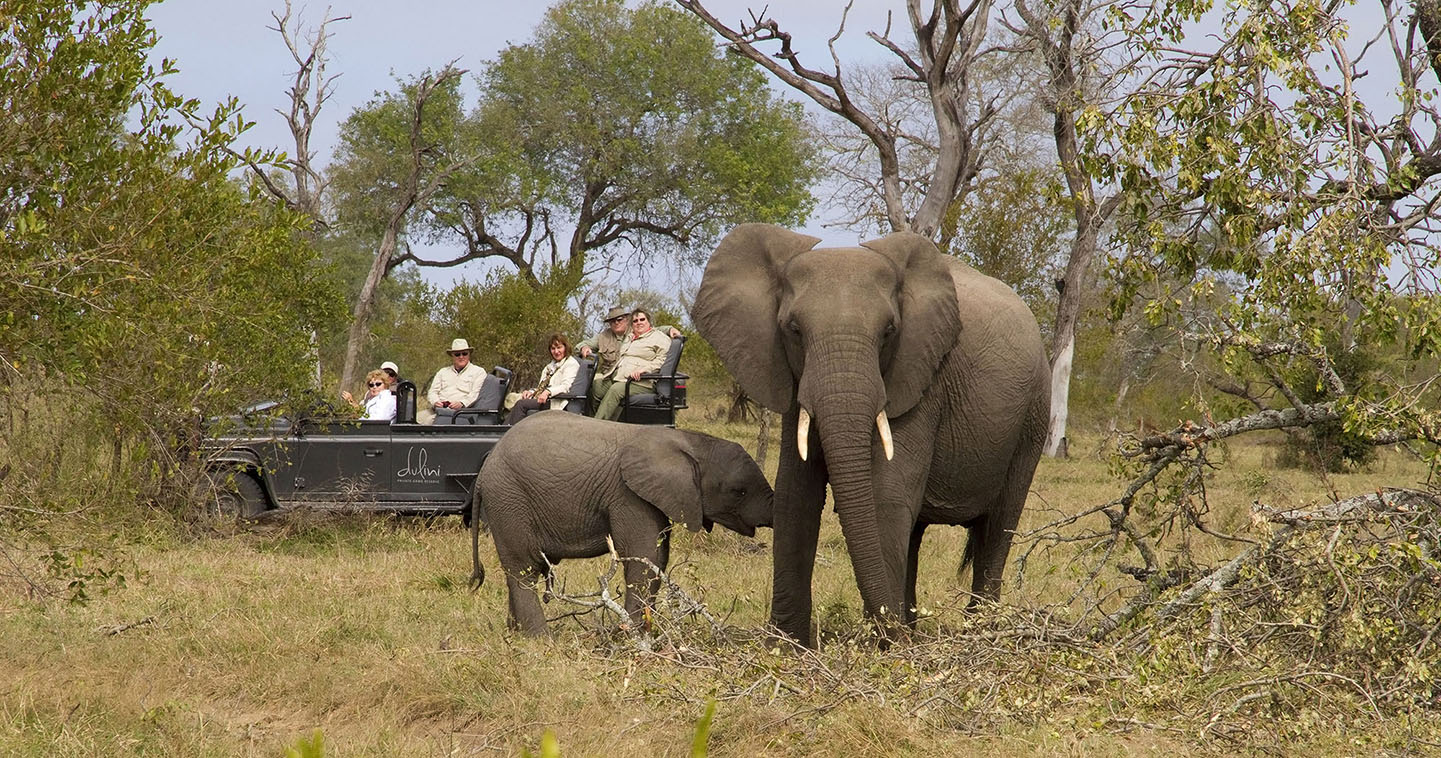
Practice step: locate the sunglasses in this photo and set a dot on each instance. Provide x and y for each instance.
(461, 352)
(375, 384)
(641, 318)
(617, 318)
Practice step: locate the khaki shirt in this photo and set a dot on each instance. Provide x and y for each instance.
(605, 349)
(645, 354)
(462, 388)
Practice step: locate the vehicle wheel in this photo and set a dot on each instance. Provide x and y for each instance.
(243, 498)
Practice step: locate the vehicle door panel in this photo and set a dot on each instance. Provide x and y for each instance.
(343, 462)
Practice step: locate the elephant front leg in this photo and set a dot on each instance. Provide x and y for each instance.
(641, 532)
(526, 614)
(800, 494)
(913, 558)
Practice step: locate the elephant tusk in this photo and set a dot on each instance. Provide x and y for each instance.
(803, 434)
(885, 428)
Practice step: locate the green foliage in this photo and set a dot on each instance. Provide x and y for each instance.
(509, 323)
(86, 572)
(1330, 445)
(308, 747)
(633, 125)
(374, 163)
(142, 288)
(1281, 212)
(1014, 227)
(699, 747)
(1358, 600)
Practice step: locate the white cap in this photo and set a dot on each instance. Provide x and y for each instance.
(390, 365)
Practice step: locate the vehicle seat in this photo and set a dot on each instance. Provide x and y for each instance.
(577, 398)
(658, 407)
(405, 395)
(486, 408)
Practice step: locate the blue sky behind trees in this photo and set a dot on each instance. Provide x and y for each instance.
(225, 49)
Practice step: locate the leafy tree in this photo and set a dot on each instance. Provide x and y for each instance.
(395, 156)
(621, 126)
(140, 284)
(1313, 203)
(616, 128)
(1274, 226)
(508, 321)
(1012, 227)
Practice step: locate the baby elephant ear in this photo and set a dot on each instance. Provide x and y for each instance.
(662, 470)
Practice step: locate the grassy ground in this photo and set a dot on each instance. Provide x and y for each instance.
(243, 641)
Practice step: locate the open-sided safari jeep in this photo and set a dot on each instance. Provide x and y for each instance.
(264, 460)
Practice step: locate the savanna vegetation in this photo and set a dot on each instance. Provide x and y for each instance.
(1228, 238)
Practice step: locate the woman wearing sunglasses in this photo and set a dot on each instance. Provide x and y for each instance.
(379, 400)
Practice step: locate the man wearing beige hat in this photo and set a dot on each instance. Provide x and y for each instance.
(454, 386)
(606, 345)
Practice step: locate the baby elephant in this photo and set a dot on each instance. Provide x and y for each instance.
(557, 484)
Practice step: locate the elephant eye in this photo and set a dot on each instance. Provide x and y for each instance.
(890, 328)
(793, 326)
(739, 491)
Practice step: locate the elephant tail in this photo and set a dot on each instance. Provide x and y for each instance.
(967, 558)
(477, 571)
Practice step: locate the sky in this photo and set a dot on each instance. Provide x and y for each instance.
(228, 48)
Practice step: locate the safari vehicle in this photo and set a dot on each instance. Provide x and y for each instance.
(265, 460)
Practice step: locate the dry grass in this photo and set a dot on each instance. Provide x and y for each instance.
(242, 641)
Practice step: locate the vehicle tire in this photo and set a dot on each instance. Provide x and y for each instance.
(243, 498)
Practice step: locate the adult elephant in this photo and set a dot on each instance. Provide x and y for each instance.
(923, 381)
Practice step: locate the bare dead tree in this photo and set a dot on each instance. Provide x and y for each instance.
(1065, 36)
(428, 169)
(311, 87)
(947, 41)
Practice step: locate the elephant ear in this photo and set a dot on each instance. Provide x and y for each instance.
(930, 317)
(662, 469)
(736, 309)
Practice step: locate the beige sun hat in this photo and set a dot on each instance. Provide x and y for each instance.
(616, 313)
(458, 344)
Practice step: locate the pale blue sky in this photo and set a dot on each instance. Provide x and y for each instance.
(225, 48)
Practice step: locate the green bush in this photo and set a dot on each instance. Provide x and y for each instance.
(508, 322)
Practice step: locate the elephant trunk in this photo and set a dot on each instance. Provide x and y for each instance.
(846, 422)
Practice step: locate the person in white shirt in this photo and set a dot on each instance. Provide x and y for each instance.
(454, 386)
(555, 379)
(379, 400)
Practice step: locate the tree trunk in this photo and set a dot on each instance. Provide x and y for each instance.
(763, 437)
(1063, 340)
(1060, 399)
(1119, 404)
(365, 304)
